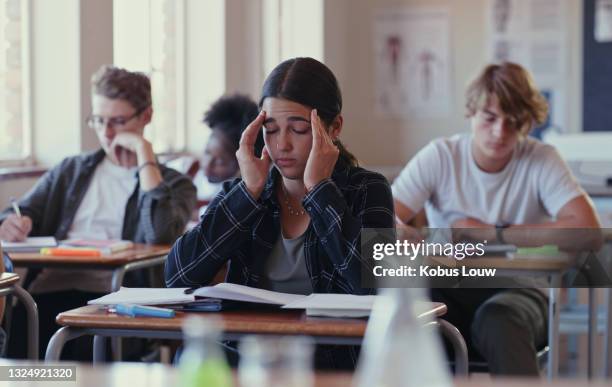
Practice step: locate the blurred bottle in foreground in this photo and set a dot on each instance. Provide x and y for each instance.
(398, 348)
(203, 363)
(276, 362)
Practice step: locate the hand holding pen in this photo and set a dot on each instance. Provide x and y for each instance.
(15, 227)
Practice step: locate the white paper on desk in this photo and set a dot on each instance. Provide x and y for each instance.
(30, 244)
(235, 292)
(145, 296)
(334, 305)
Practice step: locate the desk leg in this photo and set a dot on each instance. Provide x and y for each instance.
(58, 340)
(608, 336)
(592, 333)
(553, 326)
(32, 313)
(117, 279)
(99, 349)
(118, 275)
(459, 347)
(116, 347)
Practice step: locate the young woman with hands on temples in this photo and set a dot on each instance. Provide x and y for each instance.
(292, 222)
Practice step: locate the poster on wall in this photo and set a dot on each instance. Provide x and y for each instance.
(412, 62)
(533, 33)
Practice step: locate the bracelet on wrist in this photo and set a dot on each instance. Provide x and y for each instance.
(146, 164)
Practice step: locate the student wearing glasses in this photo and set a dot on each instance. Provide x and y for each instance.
(116, 192)
(292, 222)
(497, 184)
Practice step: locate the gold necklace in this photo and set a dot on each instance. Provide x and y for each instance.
(292, 211)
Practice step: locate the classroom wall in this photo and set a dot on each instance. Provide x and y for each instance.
(381, 141)
(73, 37)
(86, 41)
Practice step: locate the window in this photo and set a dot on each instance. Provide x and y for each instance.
(291, 28)
(149, 37)
(15, 144)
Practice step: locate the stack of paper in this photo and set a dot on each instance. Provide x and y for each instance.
(31, 244)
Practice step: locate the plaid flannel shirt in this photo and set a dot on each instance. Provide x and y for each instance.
(242, 230)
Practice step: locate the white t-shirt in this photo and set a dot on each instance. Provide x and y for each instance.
(99, 216)
(444, 178)
(206, 189)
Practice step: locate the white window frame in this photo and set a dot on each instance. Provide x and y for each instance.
(176, 130)
(27, 157)
(288, 31)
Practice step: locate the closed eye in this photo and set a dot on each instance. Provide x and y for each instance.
(302, 130)
(270, 130)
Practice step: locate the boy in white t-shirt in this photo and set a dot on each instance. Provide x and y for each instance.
(498, 181)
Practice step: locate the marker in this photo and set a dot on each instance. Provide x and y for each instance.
(143, 311)
(15, 207)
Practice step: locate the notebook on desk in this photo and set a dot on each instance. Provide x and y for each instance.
(31, 244)
(334, 305)
(225, 296)
(105, 246)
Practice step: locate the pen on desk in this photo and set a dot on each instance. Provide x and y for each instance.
(15, 207)
(143, 311)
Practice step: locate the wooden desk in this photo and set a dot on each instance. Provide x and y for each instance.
(160, 375)
(138, 257)
(96, 321)
(521, 264)
(8, 285)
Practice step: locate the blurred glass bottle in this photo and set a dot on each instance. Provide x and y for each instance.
(203, 363)
(398, 348)
(276, 362)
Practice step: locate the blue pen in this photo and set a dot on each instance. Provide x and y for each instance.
(143, 311)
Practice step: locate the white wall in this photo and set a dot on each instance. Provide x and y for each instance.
(74, 37)
(205, 65)
(70, 39)
(349, 52)
(55, 79)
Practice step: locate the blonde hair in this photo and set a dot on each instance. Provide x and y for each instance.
(515, 91)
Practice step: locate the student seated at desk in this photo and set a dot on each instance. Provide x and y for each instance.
(116, 192)
(496, 176)
(294, 228)
(227, 118)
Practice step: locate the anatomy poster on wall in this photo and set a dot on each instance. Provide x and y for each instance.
(412, 62)
(533, 33)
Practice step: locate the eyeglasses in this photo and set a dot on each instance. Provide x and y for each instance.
(99, 122)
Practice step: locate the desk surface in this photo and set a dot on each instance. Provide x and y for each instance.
(159, 375)
(281, 322)
(8, 279)
(137, 253)
(519, 263)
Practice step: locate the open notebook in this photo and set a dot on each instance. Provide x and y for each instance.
(333, 305)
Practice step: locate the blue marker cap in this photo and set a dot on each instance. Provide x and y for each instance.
(143, 311)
